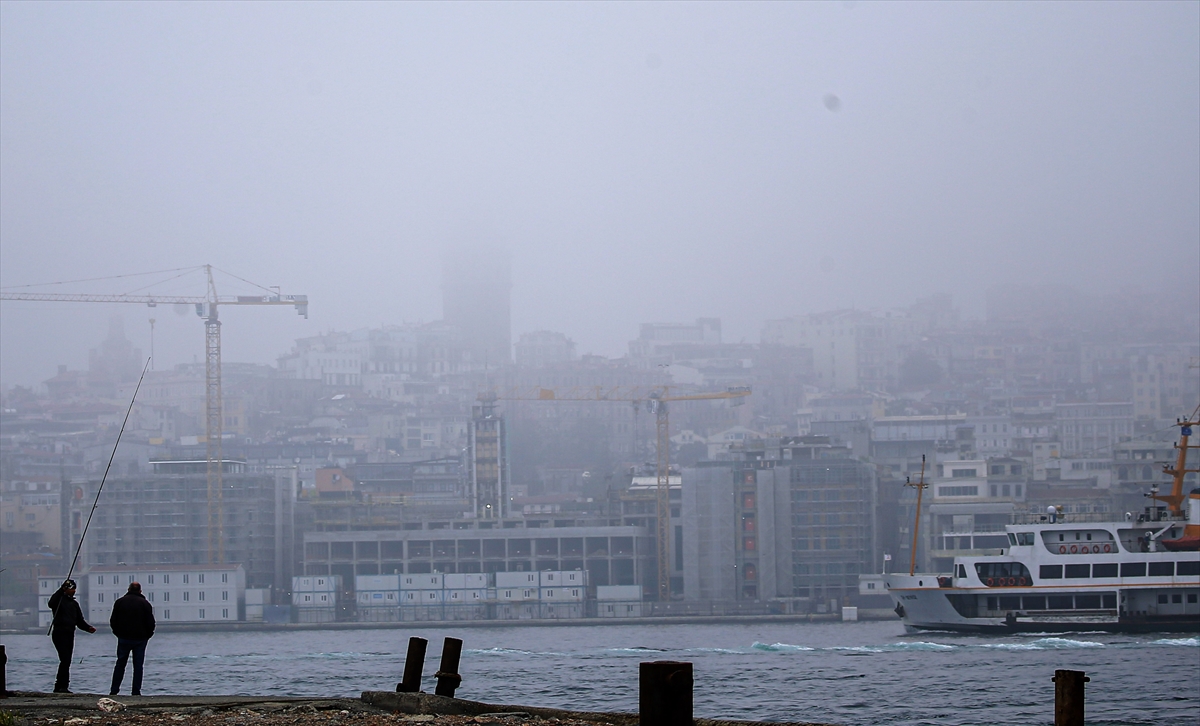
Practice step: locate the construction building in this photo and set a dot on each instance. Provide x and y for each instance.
(163, 518)
(789, 520)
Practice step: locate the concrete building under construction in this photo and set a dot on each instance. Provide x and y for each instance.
(163, 518)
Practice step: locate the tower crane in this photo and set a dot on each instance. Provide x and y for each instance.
(657, 400)
(206, 308)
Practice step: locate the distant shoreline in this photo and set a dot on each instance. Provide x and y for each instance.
(255, 626)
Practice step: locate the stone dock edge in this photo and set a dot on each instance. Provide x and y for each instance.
(44, 705)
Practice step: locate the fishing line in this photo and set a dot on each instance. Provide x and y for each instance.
(103, 479)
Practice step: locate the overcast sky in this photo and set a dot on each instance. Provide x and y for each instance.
(640, 162)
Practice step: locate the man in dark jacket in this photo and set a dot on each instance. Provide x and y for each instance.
(66, 615)
(132, 622)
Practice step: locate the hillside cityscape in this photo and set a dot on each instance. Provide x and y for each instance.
(449, 471)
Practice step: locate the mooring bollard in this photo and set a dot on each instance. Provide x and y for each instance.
(1068, 697)
(414, 664)
(3, 665)
(447, 675)
(665, 693)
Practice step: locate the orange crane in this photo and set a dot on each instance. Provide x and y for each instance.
(206, 307)
(656, 398)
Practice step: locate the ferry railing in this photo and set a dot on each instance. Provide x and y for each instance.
(1078, 517)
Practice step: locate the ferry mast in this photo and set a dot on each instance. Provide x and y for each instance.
(1174, 500)
(920, 486)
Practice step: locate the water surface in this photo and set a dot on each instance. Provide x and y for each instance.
(845, 673)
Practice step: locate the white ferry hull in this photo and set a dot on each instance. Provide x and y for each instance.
(923, 608)
(1048, 583)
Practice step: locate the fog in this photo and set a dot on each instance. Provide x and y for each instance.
(635, 162)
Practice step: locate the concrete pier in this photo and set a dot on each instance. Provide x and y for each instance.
(373, 707)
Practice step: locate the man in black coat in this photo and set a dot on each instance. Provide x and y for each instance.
(66, 615)
(132, 622)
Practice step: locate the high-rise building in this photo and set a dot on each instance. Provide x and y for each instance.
(793, 518)
(476, 292)
(489, 473)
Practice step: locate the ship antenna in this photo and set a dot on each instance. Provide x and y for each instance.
(920, 486)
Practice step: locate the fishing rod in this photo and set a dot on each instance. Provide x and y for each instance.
(96, 501)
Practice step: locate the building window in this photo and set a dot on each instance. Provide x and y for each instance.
(166, 614)
(224, 577)
(166, 579)
(201, 594)
(201, 578)
(100, 597)
(185, 595)
(225, 613)
(166, 597)
(201, 613)
(224, 594)
(185, 579)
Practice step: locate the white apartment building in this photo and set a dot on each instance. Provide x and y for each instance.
(179, 593)
(1087, 428)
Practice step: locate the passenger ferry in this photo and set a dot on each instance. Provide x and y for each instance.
(1070, 574)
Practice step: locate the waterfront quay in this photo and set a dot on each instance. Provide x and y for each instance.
(373, 708)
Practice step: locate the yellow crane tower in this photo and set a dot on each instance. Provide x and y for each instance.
(206, 307)
(656, 398)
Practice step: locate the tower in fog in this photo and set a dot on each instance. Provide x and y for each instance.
(476, 287)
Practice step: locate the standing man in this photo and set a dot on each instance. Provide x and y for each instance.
(132, 622)
(66, 615)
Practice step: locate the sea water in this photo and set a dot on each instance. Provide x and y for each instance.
(843, 673)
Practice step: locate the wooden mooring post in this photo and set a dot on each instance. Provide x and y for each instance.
(447, 675)
(1068, 697)
(414, 664)
(665, 693)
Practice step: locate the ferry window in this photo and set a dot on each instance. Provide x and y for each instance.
(1005, 570)
(1187, 567)
(1162, 599)
(1176, 598)
(1108, 569)
(1010, 602)
(1087, 602)
(1050, 572)
(1162, 568)
(993, 604)
(1060, 538)
(1133, 569)
(1012, 539)
(1034, 603)
(1110, 600)
(962, 571)
(1192, 598)
(1060, 602)
(1078, 571)
(1025, 538)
